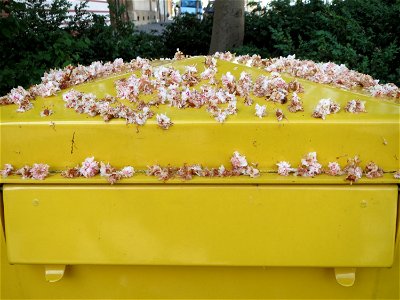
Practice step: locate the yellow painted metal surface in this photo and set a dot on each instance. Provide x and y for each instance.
(239, 237)
(197, 138)
(202, 225)
(128, 282)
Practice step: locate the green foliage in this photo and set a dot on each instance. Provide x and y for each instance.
(363, 34)
(189, 34)
(38, 35)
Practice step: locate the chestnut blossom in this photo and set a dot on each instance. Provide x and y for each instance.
(46, 112)
(279, 115)
(274, 88)
(295, 104)
(384, 90)
(284, 168)
(190, 77)
(179, 55)
(229, 82)
(110, 173)
(353, 169)
(163, 121)
(89, 167)
(25, 172)
(296, 87)
(127, 171)
(238, 160)
(309, 166)
(252, 172)
(334, 169)
(161, 173)
(325, 107)
(20, 97)
(228, 56)
(355, 106)
(39, 171)
(7, 170)
(244, 85)
(222, 172)
(372, 170)
(261, 110)
(71, 172)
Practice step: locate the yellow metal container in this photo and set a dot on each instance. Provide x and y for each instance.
(232, 237)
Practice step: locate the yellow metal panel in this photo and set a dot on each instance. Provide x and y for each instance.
(202, 225)
(197, 138)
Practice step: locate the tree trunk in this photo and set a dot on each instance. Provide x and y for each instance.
(228, 25)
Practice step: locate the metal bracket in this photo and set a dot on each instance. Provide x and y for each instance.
(54, 273)
(345, 276)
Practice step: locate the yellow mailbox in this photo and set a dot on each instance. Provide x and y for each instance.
(198, 177)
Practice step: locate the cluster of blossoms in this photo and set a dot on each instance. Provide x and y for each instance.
(46, 112)
(163, 121)
(295, 104)
(210, 71)
(327, 73)
(372, 170)
(56, 80)
(88, 104)
(274, 88)
(355, 106)
(279, 115)
(90, 167)
(239, 164)
(325, 107)
(353, 169)
(36, 171)
(20, 97)
(310, 167)
(261, 110)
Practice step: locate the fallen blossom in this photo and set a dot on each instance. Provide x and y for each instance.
(279, 115)
(372, 170)
(210, 62)
(228, 56)
(229, 82)
(25, 172)
(106, 169)
(161, 173)
(39, 171)
(179, 55)
(355, 106)
(295, 86)
(353, 169)
(397, 174)
(222, 172)
(274, 88)
(261, 110)
(71, 172)
(284, 168)
(309, 166)
(163, 121)
(295, 104)
(89, 167)
(325, 107)
(46, 112)
(334, 169)
(127, 172)
(7, 170)
(252, 172)
(238, 160)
